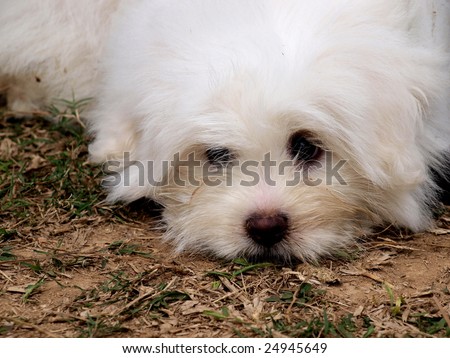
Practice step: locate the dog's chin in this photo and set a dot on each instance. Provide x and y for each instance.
(287, 252)
(272, 255)
(280, 254)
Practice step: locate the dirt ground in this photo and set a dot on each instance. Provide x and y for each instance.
(71, 266)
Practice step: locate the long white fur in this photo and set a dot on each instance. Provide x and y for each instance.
(369, 78)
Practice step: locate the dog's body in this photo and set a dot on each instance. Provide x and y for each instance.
(360, 83)
(51, 49)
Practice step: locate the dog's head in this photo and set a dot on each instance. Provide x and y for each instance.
(289, 153)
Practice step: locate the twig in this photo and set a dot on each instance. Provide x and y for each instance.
(30, 325)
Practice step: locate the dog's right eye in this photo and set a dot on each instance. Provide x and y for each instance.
(302, 148)
(219, 155)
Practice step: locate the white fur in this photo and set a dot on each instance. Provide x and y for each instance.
(50, 49)
(370, 80)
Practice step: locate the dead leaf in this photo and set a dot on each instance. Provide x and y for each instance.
(8, 148)
(16, 289)
(358, 311)
(36, 163)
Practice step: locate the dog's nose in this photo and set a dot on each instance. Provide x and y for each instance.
(267, 229)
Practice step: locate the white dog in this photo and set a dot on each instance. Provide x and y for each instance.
(265, 128)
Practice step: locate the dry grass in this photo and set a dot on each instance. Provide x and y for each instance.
(73, 267)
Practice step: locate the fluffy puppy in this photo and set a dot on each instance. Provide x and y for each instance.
(265, 128)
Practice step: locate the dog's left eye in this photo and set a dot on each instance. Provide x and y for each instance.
(302, 149)
(219, 155)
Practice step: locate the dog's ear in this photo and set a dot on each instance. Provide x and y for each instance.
(391, 123)
(412, 150)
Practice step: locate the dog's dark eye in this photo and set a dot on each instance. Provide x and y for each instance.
(219, 155)
(302, 149)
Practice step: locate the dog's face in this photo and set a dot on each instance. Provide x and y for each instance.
(281, 138)
(257, 186)
(269, 173)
